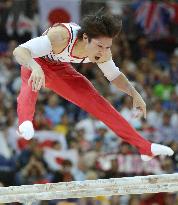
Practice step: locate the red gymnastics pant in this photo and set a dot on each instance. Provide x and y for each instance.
(64, 80)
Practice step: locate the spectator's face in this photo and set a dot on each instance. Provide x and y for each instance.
(166, 119)
(12, 45)
(80, 133)
(81, 165)
(135, 201)
(124, 149)
(145, 65)
(174, 62)
(64, 119)
(114, 164)
(165, 79)
(57, 146)
(101, 131)
(158, 107)
(98, 144)
(174, 97)
(142, 42)
(167, 165)
(33, 143)
(8, 62)
(38, 151)
(67, 168)
(98, 49)
(53, 101)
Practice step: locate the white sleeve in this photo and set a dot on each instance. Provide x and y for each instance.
(109, 69)
(39, 46)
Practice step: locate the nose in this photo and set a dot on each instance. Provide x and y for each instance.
(99, 54)
(103, 49)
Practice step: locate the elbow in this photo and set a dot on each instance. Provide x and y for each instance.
(19, 55)
(16, 51)
(20, 52)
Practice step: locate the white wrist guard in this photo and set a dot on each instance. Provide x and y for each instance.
(109, 69)
(39, 46)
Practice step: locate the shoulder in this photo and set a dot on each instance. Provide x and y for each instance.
(59, 37)
(58, 33)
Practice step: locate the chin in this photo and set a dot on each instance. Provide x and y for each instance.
(92, 60)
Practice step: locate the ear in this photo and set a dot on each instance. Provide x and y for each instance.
(85, 37)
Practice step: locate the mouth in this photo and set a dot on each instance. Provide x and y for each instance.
(97, 58)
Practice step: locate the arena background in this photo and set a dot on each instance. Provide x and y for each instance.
(69, 144)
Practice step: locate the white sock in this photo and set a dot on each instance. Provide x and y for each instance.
(156, 150)
(26, 130)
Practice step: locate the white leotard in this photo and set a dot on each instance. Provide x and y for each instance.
(66, 54)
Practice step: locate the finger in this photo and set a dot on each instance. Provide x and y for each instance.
(29, 80)
(37, 81)
(141, 112)
(135, 112)
(136, 103)
(40, 84)
(33, 86)
(34, 83)
(144, 112)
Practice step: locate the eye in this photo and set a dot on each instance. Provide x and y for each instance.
(99, 46)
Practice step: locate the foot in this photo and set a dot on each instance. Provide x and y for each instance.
(158, 149)
(26, 130)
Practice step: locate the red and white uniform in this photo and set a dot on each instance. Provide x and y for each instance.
(66, 55)
(64, 80)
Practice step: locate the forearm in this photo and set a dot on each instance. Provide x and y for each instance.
(123, 84)
(34, 48)
(23, 57)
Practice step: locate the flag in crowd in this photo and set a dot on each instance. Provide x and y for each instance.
(63, 11)
(154, 17)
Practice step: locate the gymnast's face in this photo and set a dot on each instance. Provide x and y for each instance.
(98, 49)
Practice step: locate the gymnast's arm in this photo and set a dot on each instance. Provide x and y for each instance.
(115, 76)
(55, 40)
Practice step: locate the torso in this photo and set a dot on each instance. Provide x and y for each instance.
(67, 54)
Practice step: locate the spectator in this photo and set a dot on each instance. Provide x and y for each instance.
(54, 111)
(164, 89)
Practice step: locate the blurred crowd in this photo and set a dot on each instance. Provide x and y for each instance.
(71, 145)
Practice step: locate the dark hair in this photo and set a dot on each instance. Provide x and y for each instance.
(100, 24)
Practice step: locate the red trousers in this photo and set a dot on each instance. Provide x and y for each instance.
(67, 82)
